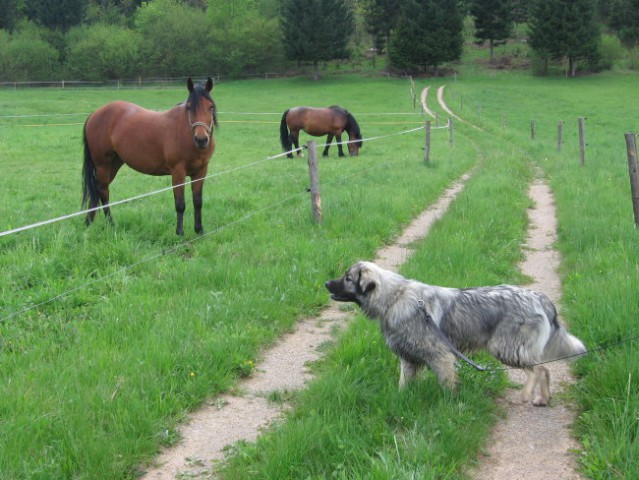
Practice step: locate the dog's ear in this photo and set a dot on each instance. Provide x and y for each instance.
(367, 281)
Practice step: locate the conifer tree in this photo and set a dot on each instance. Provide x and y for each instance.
(564, 29)
(493, 22)
(624, 19)
(428, 33)
(316, 30)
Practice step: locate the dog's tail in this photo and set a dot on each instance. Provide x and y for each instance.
(563, 345)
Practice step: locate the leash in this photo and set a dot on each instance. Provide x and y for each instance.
(445, 339)
(461, 356)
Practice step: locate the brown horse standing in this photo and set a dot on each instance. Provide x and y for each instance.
(331, 121)
(178, 142)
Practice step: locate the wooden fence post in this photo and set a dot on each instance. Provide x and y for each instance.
(560, 134)
(532, 129)
(316, 198)
(413, 96)
(631, 146)
(427, 145)
(450, 129)
(582, 141)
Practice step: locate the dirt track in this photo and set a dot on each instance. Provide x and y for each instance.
(531, 443)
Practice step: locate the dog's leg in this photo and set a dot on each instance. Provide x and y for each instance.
(544, 385)
(443, 365)
(407, 372)
(530, 385)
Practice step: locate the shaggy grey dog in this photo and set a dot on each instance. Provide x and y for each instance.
(427, 325)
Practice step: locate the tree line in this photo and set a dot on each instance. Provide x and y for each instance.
(121, 39)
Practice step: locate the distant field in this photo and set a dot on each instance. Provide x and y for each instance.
(148, 326)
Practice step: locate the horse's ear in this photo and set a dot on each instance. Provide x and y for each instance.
(209, 84)
(189, 84)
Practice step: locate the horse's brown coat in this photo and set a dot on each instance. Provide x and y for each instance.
(175, 142)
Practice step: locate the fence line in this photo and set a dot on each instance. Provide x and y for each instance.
(188, 182)
(184, 243)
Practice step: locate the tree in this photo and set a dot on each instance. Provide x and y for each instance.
(564, 29)
(25, 55)
(175, 39)
(380, 17)
(101, 51)
(624, 19)
(7, 14)
(428, 33)
(245, 36)
(56, 14)
(316, 30)
(493, 22)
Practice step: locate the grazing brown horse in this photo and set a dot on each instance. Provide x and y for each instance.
(331, 121)
(178, 142)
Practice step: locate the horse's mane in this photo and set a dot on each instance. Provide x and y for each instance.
(199, 92)
(351, 123)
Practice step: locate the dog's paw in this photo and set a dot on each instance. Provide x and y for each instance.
(540, 401)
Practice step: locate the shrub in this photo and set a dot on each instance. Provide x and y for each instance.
(100, 51)
(611, 52)
(24, 56)
(175, 37)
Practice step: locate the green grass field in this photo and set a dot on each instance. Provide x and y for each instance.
(148, 325)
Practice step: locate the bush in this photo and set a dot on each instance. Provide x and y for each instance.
(99, 52)
(175, 41)
(611, 52)
(24, 56)
(632, 59)
(254, 47)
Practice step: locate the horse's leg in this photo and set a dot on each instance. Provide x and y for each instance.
(178, 178)
(329, 139)
(295, 140)
(339, 145)
(196, 189)
(291, 143)
(106, 170)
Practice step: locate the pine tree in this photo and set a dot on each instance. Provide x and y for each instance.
(380, 17)
(428, 33)
(624, 19)
(493, 22)
(564, 29)
(316, 30)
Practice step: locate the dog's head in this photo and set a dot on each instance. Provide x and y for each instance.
(356, 285)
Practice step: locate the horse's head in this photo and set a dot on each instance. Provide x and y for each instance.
(202, 112)
(355, 141)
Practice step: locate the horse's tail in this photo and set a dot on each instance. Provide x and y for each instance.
(354, 127)
(90, 180)
(285, 137)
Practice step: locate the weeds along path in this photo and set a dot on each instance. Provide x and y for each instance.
(229, 418)
(532, 442)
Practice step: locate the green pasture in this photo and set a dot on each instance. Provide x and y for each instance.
(110, 335)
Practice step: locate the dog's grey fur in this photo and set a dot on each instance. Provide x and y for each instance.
(419, 322)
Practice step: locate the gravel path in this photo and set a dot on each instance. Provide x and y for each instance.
(530, 443)
(534, 443)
